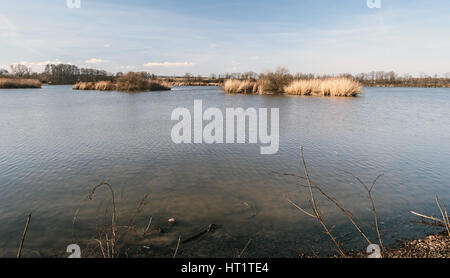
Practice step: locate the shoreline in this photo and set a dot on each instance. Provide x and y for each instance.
(434, 245)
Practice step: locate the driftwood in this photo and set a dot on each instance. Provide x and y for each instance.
(210, 228)
(19, 253)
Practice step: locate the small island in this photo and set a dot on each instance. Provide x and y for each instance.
(283, 83)
(130, 82)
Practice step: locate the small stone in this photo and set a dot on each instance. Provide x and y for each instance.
(172, 221)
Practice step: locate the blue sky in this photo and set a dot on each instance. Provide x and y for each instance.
(203, 37)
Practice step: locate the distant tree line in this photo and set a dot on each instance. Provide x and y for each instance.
(71, 74)
(371, 79)
(60, 74)
(391, 79)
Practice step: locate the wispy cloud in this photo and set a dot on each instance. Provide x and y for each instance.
(95, 61)
(169, 64)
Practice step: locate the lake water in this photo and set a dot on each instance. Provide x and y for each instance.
(56, 144)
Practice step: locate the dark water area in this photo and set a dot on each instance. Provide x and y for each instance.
(56, 144)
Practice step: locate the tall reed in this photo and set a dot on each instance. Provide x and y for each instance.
(235, 86)
(338, 87)
(11, 83)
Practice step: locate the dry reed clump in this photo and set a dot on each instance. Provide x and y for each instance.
(131, 82)
(104, 86)
(10, 83)
(339, 87)
(309, 87)
(235, 86)
(281, 81)
(135, 82)
(84, 86)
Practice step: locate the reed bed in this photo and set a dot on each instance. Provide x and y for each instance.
(130, 82)
(10, 83)
(235, 86)
(126, 86)
(337, 87)
(105, 86)
(84, 86)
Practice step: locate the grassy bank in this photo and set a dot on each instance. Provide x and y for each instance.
(10, 83)
(131, 82)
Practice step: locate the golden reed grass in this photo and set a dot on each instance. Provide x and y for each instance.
(235, 86)
(338, 87)
(10, 83)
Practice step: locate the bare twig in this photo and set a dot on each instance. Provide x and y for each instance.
(444, 217)
(176, 250)
(245, 248)
(427, 217)
(101, 248)
(113, 220)
(347, 213)
(299, 208)
(19, 253)
(372, 202)
(316, 209)
(148, 226)
(75, 216)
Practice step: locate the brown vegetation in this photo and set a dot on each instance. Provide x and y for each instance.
(11, 83)
(339, 87)
(281, 82)
(130, 82)
(436, 246)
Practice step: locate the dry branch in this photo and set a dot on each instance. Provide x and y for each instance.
(19, 253)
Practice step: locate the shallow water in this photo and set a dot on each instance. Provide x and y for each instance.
(55, 144)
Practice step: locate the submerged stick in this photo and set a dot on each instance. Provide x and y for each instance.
(245, 248)
(19, 253)
(427, 217)
(148, 226)
(178, 245)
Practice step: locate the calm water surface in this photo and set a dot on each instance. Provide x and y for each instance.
(55, 144)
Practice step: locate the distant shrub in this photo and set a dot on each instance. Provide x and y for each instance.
(132, 82)
(274, 82)
(11, 83)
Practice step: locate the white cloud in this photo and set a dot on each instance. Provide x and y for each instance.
(39, 64)
(169, 64)
(95, 61)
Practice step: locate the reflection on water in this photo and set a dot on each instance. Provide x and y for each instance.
(55, 144)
